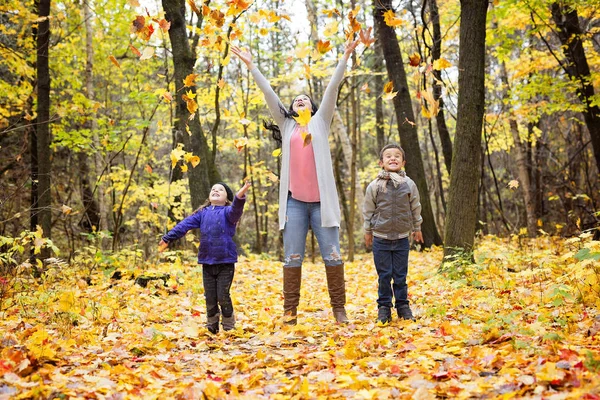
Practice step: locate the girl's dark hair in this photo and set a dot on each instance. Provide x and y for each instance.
(289, 113)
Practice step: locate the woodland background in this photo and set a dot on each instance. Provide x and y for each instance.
(116, 116)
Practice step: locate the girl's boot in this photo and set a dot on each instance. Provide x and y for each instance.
(212, 323)
(337, 292)
(292, 281)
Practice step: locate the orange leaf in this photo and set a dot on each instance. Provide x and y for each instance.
(192, 106)
(307, 139)
(218, 17)
(135, 51)
(330, 13)
(414, 60)
(365, 37)
(390, 19)
(190, 80)
(323, 46)
(193, 6)
(164, 25)
(240, 143)
(134, 3)
(148, 168)
(138, 23)
(205, 10)
(114, 60)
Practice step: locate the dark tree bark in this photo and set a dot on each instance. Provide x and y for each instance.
(436, 53)
(461, 218)
(378, 89)
(569, 33)
(43, 206)
(405, 119)
(206, 173)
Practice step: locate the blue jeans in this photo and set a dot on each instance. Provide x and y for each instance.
(301, 215)
(217, 279)
(391, 263)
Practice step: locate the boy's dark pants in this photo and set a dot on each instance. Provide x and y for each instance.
(391, 262)
(217, 280)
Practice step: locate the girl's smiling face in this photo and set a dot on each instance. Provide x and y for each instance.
(218, 195)
(301, 102)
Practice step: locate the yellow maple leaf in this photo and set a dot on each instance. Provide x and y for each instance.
(184, 167)
(513, 184)
(303, 117)
(390, 19)
(331, 29)
(302, 51)
(441, 63)
(192, 106)
(388, 91)
(190, 95)
(190, 80)
(240, 143)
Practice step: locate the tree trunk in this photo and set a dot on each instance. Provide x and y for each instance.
(405, 119)
(523, 166)
(43, 208)
(569, 33)
(461, 218)
(440, 119)
(94, 217)
(378, 89)
(201, 177)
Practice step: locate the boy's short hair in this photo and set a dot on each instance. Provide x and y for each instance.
(392, 146)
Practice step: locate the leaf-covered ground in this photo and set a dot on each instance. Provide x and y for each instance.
(521, 323)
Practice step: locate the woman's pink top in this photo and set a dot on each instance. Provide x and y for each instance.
(303, 171)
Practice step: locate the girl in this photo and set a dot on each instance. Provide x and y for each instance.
(217, 219)
(307, 190)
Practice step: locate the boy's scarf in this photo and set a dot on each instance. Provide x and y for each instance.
(384, 176)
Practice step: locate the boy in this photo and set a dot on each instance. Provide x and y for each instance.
(392, 211)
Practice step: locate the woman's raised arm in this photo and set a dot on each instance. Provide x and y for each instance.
(275, 105)
(330, 96)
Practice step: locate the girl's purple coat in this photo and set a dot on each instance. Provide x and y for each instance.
(217, 226)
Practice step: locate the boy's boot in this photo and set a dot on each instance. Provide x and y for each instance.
(404, 312)
(212, 323)
(337, 292)
(292, 281)
(384, 315)
(228, 322)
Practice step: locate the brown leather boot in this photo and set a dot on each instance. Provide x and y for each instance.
(292, 280)
(337, 292)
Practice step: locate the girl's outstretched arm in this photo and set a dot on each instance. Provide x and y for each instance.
(330, 96)
(234, 213)
(275, 105)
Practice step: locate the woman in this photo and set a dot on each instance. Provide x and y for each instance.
(307, 191)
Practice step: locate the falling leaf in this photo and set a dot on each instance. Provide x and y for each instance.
(237, 6)
(513, 184)
(167, 96)
(192, 106)
(190, 80)
(193, 6)
(134, 3)
(217, 17)
(307, 139)
(66, 209)
(164, 25)
(365, 88)
(331, 29)
(303, 117)
(365, 36)
(441, 63)
(433, 106)
(414, 60)
(276, 152)
(245, 121)
(148, 168)
(147, 53)
(221, 83)
(135, 51)
(324, 46)
(388, 91)
(240, 143)
(138, 23)
(114, 60)
(272, 177)
(194, 160)
(390, 19)
(184, 167)
(189, 95)
(302, 51)
(332, 11)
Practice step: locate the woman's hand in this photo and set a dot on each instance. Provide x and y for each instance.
(243, 55)
(368, 239)
(350, 47)
(243, 190)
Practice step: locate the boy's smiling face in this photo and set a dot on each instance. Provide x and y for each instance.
(392, 160)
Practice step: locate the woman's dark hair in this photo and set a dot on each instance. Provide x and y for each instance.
(289, 113)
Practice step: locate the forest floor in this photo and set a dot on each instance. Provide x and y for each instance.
(523, 322)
